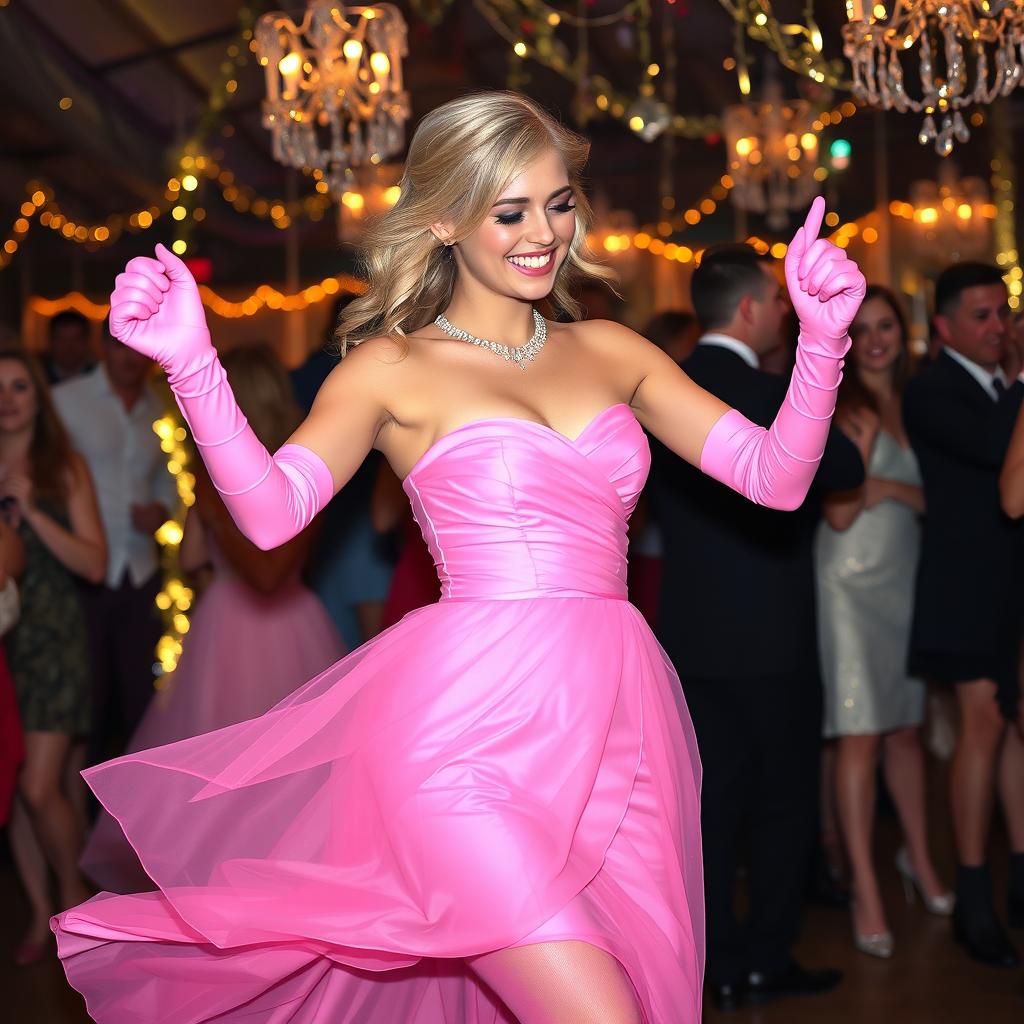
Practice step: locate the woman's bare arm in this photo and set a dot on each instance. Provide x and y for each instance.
(81, 548)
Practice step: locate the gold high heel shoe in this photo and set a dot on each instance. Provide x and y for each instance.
(941, 905)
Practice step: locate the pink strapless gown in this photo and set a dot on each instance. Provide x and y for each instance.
(245, 652)
(512, 765)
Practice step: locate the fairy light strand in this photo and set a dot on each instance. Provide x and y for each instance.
(175, 599)
(265, 296)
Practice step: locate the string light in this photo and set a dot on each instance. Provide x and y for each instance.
(647, 238)
(21, 226)
(650, 238)
(51, 215)
(248, 201)
(265, 296)
(175, 599)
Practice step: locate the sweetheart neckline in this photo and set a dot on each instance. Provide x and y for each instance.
(572, 441)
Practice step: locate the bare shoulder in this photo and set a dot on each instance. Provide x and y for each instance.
(375, 355)
(372, 368)
(609, 336)
(616, 345)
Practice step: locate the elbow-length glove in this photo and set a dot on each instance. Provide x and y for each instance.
(775, 467)
(155, 309)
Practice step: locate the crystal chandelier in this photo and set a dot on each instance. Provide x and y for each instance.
(955, 39)
(369, 191)
(951, 219)
(772, 153)
(334, 86)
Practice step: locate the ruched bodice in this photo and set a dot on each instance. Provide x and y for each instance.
(512, 509)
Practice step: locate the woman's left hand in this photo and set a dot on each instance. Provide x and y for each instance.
(20, 487)
(825, 286)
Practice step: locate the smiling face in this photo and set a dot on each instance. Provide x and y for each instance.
(976, 327)
(19, 402)
(876, 336)
(526, 235)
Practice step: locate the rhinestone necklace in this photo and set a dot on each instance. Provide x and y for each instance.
(520, 356)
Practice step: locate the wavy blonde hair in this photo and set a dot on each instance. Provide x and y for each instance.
(461, 157)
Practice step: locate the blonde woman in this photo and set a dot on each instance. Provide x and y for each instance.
(490, 811)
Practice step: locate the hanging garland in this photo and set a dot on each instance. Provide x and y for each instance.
(798, 46)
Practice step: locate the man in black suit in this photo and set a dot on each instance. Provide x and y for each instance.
(737, 619)
(959, 413)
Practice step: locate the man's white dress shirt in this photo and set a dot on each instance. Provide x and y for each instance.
(127, 464)
(744, 351)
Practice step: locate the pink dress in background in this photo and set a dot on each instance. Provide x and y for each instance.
(244, 652)
(511, 765)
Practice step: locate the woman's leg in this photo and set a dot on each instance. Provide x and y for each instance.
(831, 834)
(973, 776)
(1011, 782)
(30, 865)
(855, 798)
(903, 760)
(74, 784)
(1011, 793)
(568, 982)
(53, 819)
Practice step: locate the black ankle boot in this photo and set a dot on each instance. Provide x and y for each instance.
(974, 919)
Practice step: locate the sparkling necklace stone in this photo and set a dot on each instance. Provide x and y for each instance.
(520, 356)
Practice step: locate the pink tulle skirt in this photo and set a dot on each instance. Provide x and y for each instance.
(484, 774)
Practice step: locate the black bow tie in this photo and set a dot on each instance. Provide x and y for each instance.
(1000, 387)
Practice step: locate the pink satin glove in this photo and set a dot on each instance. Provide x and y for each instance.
(775, 467)
(156, 309)
(825, 286)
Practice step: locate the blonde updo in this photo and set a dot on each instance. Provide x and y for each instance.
(461, 157)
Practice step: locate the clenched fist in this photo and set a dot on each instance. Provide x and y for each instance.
(155, 309)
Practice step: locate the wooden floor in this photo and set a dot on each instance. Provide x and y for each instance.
(928, 981)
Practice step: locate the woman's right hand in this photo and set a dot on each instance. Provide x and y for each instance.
(155, 309)
(860, 424)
